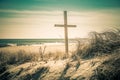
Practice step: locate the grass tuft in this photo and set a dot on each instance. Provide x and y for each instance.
(100, 43)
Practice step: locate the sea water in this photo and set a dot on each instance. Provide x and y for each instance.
(19, 42)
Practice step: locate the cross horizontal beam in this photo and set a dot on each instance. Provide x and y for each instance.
(65, 25)
(60, 25)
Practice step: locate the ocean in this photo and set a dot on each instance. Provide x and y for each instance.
(19, 42)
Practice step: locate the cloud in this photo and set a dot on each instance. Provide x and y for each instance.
(29, 12)
(24, 13)
(58, 13)
(37, 22)
(86, 17)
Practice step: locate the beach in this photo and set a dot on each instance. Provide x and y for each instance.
(48, 47)
(95, 59)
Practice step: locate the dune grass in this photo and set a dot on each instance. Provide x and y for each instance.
(109, 69)
(16, 58)
(99, 45)
(103, 44)
(7, 57)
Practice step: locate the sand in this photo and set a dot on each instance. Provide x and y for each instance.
(36, 48)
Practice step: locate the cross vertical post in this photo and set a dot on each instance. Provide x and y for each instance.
(66, 31)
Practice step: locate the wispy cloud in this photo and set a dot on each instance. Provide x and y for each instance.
(30, 12)
(24, 13)
(36, 22)
(112, 16)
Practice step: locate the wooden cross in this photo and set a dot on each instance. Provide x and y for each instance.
(66, 30)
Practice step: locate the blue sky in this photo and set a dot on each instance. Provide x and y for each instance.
(31, 18)
(58, 4)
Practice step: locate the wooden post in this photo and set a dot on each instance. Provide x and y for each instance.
(66, 31)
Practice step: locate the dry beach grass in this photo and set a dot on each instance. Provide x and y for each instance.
(96, 59)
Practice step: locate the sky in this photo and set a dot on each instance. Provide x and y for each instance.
(36, 18)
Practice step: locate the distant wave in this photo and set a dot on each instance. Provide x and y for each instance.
(28, 44)
(32, 42)
(7, 45)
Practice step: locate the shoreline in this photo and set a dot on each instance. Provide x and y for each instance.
(15, 44)
(49, 48)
